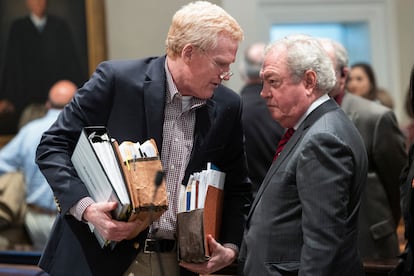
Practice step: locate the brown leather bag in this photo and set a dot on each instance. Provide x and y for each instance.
(194, 226)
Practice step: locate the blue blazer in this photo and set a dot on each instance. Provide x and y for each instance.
(304, 217)
(129, 97)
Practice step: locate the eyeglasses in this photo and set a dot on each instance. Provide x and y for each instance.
(224, 75)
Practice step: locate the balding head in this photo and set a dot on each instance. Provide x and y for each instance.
(255, 53)
(252, 63)
(61, 94)
(339, 56)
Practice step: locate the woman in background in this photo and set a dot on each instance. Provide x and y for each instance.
(362, 82)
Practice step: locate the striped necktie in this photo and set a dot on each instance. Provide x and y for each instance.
(285, 138)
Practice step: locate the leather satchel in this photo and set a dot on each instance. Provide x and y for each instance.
(194, 226)
(190, 235)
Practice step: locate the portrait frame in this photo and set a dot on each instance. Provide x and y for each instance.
(90, 20)
(96, 33)
(86, 20)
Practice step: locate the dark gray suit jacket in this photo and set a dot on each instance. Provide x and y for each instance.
(407, 204)
(129, 97)
(380, 210)
(304, 217)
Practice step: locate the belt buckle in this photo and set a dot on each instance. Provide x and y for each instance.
(149, 243)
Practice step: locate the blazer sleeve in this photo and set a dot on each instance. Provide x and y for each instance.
(237, 190)
(325, 176)
(57, 144)
(388, 158)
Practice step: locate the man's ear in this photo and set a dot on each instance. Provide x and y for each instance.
(187, 52)
(309, 79)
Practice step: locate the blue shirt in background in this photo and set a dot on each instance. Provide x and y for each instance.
(19, 155)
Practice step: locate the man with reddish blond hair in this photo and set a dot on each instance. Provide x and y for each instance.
(178, 100)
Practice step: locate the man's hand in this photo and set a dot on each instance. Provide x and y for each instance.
(220, 258)
(99, 214)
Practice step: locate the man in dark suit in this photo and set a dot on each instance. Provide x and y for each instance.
(380, 211)
(407, 199)
(304, 217)
(40, 51)
(178, 100)
(261, 132)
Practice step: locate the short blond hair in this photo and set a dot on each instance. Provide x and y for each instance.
(200, 23)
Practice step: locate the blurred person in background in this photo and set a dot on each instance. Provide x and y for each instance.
(262, 133)
(380, 211)
(19, 155)
(407, 196)
(361, 81)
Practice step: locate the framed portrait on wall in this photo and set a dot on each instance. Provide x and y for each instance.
(71, 12)
(35, 53)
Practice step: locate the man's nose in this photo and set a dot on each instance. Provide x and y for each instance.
(265, 93)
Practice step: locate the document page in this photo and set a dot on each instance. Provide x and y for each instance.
(108, 160)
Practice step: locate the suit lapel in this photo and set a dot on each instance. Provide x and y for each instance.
(204, 120)
(154, 93)
(290, 146)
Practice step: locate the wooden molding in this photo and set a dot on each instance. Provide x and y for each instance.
(96, 33)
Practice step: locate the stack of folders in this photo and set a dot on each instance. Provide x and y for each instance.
(127, 174)
(199, 213)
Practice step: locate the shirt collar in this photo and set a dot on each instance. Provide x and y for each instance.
(172, 91)
(311, 108)
(37, 21)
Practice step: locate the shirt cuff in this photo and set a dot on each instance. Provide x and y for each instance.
(232, 246)
(80, 207)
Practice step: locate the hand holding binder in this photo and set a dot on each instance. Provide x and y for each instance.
(127, 179)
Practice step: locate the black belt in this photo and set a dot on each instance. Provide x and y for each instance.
(159, 245)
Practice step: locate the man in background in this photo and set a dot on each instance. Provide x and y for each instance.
(407, 196)
(40, 51)
(380, 210)
(19, 155)
(262, 133)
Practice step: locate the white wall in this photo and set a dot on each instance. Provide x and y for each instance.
(137, 28)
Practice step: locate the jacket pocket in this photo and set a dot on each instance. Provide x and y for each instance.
(284, 267)
(382, 229)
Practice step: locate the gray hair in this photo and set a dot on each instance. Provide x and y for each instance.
(341, 55)
(305, 53)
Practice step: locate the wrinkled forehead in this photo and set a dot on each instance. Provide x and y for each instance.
(275, 61)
